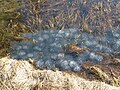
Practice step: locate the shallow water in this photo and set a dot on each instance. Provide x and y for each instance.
(47, 48)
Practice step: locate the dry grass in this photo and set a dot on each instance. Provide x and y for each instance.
(21, 75)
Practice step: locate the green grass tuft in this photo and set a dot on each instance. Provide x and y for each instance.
(10, 24)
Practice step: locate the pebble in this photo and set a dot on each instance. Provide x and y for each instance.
(19, 48)
(95, 57)
(30, 55)
(65, 65)
(72, 64)
(77, 68)
(21, 53)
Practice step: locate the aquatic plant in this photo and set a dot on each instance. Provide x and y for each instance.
(90, 16)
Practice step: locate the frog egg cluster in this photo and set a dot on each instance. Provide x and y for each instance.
(46, 48)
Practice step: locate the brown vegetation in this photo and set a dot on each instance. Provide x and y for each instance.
(107, 71)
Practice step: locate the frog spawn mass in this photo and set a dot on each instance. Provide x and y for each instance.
(48, 48)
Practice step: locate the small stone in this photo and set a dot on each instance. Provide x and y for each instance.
(54, 56)
(40, 63)
(49, 64)
(40, 39)
(72, 64)
(45, 36)
(98, 47)
(61, 55)
(37, 48)
(77, 68)
(25, 47)
(30, 55)
(59, 36)
(90, 43)
(116, 35)
(118, 42)
(65, 65)
(95, 58)
(67, 34)
(21, 53)
(61, 31)
(19, 48)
